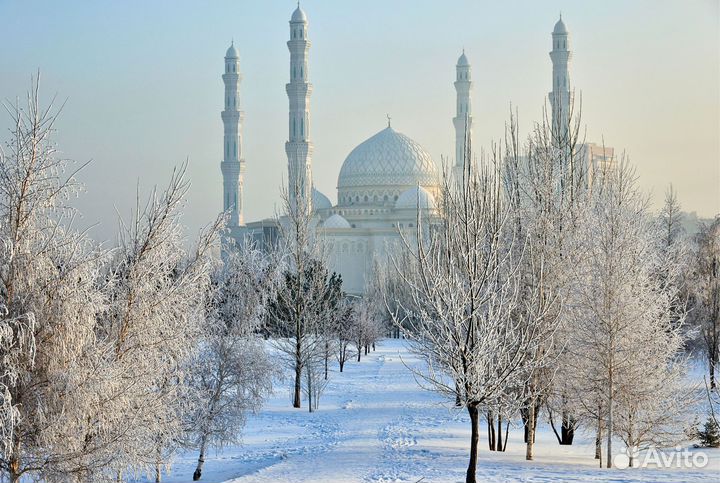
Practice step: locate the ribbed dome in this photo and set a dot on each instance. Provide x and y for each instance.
(560, 27)
(232, 52)
(415, 198)
(320, 201)
(298, 15)
(336, 221)
(389, 158)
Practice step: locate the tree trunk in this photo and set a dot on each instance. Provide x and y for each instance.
(610, 421)
(498, 437)
(474, 438)
(598, 439)
(309, 389)
(326, 365)
(530, 433)
(712, 371)
(298, 381)
(507, 431)
(552, 425)
(158, 462)
(491, 430)
(567, 430)
(201, 459)
(14, 463)
(341, 362)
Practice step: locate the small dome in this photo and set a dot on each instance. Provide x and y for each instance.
(320, 201)
(560, 27)
(336, 221)
(232, 52)
(415, 198)
(298, 15)
(463, 61)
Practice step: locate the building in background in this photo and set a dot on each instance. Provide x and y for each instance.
(386, 183)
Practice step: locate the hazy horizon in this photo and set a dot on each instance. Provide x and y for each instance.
(144, 88)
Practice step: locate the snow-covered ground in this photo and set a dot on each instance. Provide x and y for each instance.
(375, 425)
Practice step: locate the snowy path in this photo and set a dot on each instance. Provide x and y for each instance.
(375, 425)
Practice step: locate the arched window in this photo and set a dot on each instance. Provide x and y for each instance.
(301, 71)
(365, 199)
(302, 127)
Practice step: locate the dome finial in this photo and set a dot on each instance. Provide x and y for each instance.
(388, 118)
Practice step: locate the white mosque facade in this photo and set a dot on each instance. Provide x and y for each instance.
(383, 183)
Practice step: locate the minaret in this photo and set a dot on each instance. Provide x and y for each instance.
(298, 147)
(233, 165)
(560, 96)
(463, 118)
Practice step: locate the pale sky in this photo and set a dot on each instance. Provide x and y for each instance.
(144, 92)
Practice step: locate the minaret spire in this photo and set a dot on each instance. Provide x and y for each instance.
(233, 164)
(298, 147)
(560, 96)
(463, 117)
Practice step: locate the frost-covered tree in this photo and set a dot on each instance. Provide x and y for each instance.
(705, 291)
(625, 343)
(306, 295)
(343, 330)
(49, 299)
(231, 373)
(365, 324)
(17, 345)
(157, 291)
(461, 277)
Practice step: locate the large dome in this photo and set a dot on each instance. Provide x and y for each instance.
(388, 159)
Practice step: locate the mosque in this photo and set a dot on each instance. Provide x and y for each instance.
(383, 183)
